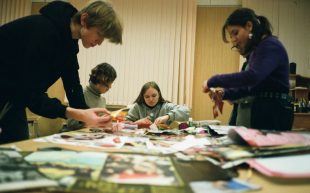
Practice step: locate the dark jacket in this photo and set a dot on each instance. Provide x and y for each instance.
(268, 72)
(35, 52)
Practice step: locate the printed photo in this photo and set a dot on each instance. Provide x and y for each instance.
(140, 169)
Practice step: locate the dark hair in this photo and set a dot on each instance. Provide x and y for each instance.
(145, 87)
(102, 74)
(240, 17)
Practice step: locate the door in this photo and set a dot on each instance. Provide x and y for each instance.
(212, 56)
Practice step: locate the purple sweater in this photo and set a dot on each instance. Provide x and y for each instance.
(268, 71)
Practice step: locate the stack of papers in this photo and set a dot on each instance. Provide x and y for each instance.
(257, 138)
(296, 166)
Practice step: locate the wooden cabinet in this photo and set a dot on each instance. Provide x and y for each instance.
(302, 120)
(299, 89)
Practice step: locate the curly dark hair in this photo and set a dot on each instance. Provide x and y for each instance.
(103, 73)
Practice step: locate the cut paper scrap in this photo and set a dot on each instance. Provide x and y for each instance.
(119, 115)
(217, 108)
(218, 103)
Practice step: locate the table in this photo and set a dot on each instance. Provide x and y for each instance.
(268, 184)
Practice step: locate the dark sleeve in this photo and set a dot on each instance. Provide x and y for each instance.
(235, 93)
(26, 59)
(41, 104)
(261, 64)
(73, 87)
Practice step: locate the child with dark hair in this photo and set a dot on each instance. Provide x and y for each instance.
(100, 82)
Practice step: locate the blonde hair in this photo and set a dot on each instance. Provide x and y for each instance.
(102, 15)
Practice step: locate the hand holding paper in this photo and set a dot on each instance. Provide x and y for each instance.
(216, 96)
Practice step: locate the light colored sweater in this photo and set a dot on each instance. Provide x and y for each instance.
(175, 112)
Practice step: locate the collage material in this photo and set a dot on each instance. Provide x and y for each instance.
(140, 169)
(62, 164)
(17, 174)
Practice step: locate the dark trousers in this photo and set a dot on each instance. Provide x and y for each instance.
(13, 124)
(272, 114)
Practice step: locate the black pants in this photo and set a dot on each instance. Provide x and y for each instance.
(13, 124)
(272, 114)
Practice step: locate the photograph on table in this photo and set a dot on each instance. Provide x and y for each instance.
(62, 164)
(140, 169)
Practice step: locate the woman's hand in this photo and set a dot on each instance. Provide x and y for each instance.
(162, 119)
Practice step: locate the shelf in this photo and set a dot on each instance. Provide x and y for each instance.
(299, 86)
(301, 120)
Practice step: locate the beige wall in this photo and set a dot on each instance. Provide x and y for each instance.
(212, 56)
(13, 9)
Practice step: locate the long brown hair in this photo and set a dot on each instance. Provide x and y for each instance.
(145, 87)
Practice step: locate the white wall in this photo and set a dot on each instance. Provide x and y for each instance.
(158, 45)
